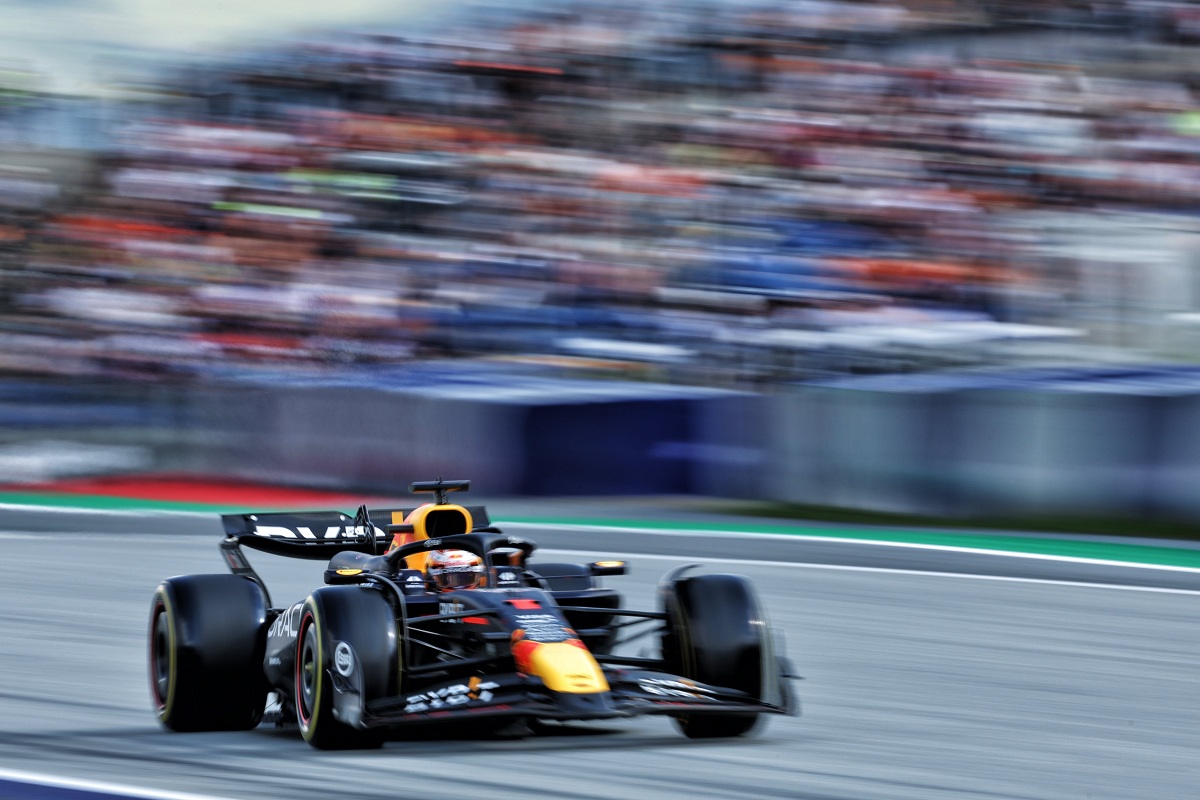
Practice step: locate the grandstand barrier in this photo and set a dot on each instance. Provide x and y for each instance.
(1123, 443)
(510, 437)
(1095, 442)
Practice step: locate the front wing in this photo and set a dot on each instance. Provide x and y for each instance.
(633, 692)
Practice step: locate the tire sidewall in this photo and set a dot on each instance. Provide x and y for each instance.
(315, 716)
(162, 607)
(206, 639)
(311, 726)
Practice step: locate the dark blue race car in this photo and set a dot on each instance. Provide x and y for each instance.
(383, 645)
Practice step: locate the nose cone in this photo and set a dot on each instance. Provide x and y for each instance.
(565, 667)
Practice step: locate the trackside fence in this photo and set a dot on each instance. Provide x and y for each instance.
(1100, 442)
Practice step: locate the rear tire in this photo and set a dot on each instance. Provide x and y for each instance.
(716, 634)
(207, 637)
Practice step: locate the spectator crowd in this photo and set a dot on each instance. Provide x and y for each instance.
(730, 194)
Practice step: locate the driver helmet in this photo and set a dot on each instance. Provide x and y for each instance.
(455, 569)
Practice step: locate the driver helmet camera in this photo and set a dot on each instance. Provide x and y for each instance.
(455, 569)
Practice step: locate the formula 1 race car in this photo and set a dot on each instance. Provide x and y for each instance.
(381, 647)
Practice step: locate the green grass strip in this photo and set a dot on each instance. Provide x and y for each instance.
(1014, 543)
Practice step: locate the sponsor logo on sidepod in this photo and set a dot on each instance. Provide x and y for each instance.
(287, 624)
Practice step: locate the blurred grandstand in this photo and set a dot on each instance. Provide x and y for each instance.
(721, 194)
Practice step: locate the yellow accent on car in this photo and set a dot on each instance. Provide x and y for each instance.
(566, 667)
(349, 572)
(309, 731)
(432, 521)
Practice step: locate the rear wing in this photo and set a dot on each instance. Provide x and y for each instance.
(301, 528)
(310, 534)
(314, 535)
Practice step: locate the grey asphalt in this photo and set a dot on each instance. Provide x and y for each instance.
(917, 686)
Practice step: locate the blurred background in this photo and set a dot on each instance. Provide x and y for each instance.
(922, 256)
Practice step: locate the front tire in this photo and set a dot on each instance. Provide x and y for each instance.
(207, 637)
(314, 691)
(716, 634)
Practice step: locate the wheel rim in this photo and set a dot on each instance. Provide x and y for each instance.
(306, 674)
(160, 657)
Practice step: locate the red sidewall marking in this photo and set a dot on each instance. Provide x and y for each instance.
(159, 702)
(305, 622)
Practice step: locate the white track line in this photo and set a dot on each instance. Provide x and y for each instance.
(691, 533)
(99, 787)
(874, 542)
(885, 570)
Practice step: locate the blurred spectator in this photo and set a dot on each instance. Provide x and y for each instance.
(695, 176)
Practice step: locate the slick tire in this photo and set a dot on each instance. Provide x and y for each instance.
(207, 637)
(716, 634)
(314, 689)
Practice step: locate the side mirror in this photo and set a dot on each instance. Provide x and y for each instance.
(599, 568)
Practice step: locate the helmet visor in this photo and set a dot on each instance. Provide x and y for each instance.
(458, 577)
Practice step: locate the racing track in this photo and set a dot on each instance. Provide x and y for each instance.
(918, 686)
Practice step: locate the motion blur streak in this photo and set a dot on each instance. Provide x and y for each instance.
(915, 688)
(708, 192)
(473, 202)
